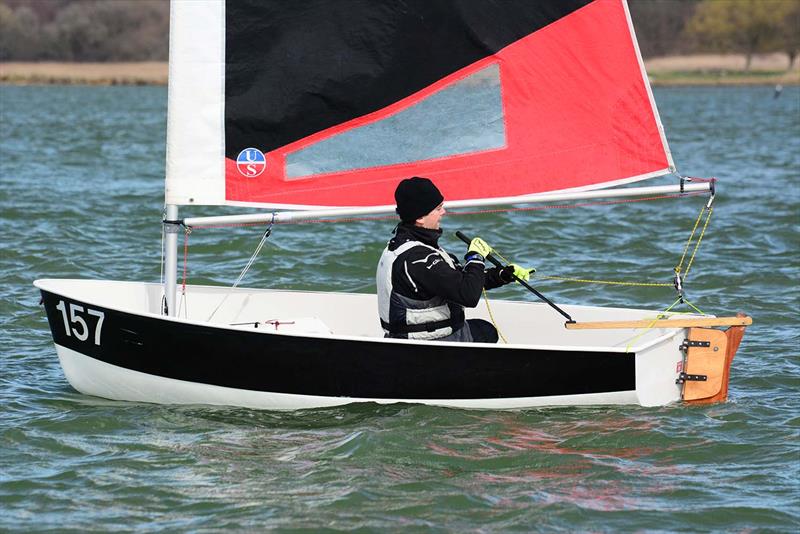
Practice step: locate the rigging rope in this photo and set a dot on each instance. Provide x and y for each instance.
(681, 298)
(524, 208)
(261, 243)
(710, 210)
(491, 316)
(663, 315)
(607, 282)
(183, 301)
(707, 207)
(689, 241)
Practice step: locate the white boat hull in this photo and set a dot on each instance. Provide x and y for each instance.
(288, 350)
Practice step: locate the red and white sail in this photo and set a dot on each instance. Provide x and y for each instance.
(318, 104)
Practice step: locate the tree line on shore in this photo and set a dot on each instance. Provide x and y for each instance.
(84, 30)
(137, 30)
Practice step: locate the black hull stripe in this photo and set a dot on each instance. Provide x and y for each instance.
(336, 367)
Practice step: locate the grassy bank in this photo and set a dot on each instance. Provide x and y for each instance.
(673, 70)
(144, 73)
(709, 69)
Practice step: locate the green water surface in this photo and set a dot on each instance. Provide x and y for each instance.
(82, 190)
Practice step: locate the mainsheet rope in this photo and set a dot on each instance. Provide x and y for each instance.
(663, 315)
(491, 317)
(707, 208)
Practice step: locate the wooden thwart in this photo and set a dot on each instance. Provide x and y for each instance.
(663, 323)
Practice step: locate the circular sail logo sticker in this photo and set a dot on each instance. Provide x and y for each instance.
(251, 162)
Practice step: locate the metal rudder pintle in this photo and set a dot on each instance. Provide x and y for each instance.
(683, 377)
(687, 343)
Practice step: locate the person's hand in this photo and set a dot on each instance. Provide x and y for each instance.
(479, 246)
(523, 273)
(509, 272)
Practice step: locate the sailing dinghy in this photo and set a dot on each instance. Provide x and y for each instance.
(317, 109)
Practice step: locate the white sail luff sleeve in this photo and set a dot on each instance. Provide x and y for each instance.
(195, 170)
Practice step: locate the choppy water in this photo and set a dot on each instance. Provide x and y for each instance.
(72, 462)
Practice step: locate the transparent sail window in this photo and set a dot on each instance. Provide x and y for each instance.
(462, 118)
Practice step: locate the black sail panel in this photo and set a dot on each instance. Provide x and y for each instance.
(296, 68)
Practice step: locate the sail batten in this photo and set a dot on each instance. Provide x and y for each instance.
(304, 105)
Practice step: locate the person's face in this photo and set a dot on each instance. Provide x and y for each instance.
(432, 219)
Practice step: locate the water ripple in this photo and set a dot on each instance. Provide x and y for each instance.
(89, 203)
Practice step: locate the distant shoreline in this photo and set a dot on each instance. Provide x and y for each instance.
(706, 69)
(47, 73)
(722, 69)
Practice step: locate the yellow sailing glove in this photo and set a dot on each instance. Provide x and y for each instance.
(479, 246)
(508, 273)
(522, 273)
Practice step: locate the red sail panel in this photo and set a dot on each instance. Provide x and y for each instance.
(575, 112)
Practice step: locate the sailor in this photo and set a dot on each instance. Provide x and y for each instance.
(422, 289)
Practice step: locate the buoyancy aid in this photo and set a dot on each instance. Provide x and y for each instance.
(405, 317)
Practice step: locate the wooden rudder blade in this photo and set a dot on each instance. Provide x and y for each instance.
(716, 365)
(704, 364)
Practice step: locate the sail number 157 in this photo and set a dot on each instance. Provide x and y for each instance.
(75, 325)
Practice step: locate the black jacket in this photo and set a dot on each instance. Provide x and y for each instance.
(432, 276)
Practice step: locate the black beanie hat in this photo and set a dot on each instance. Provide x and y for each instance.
(416, 197)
